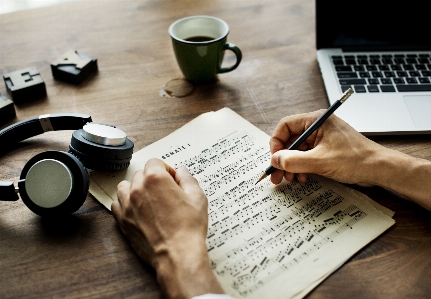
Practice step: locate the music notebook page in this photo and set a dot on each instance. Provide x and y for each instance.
(264, 241)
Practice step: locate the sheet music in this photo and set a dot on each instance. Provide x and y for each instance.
(264, 241)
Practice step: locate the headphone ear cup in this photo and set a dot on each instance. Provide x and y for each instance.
(101, 157)
(54, 183)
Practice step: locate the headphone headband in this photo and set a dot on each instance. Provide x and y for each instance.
(41, 124)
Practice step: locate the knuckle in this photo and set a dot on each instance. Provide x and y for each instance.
(135, 194)
(128, 214)
(121, 184)
(153, 177)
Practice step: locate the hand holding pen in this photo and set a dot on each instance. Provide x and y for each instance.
(312, 128)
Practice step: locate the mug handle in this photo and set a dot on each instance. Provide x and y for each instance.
(238, 54)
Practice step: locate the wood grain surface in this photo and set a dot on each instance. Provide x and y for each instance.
(85, 255)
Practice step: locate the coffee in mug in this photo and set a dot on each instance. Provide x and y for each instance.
(199, 44)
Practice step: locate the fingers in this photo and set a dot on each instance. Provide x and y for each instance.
(157, 180)
(123, 191)
(157, 165)
(125, 188)
(290, 128)
(302, 177)
(152, 178)
(290, 163)
(277, 176)
(188, 183)
(184, 178)
(298, 161)
(116, 209)
(293, 161)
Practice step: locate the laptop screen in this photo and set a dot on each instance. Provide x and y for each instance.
(373, 25)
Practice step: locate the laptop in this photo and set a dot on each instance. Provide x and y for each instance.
(382, 49)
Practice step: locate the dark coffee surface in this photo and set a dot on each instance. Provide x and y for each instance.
(199, 39)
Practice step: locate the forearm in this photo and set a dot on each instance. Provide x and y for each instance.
(406, 175)
(184, 273)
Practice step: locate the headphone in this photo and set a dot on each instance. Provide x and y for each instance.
(55, 183)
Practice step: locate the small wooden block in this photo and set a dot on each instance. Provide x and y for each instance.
(7, 109)
(73, 67)
(25, 84)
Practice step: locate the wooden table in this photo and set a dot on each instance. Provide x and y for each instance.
(86, 256)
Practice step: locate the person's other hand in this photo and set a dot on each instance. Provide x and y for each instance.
(335, 150)
(163, 213)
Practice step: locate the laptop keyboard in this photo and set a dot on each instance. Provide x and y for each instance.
(384, 73)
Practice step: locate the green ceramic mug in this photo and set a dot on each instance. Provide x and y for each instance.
(199, 44)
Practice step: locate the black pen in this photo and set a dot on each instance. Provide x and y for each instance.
(312, 128)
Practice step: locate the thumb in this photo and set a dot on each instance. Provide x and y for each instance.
(293, 161)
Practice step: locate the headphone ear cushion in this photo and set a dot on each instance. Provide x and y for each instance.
(54, 183)
(94, 164)
(101, 157)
